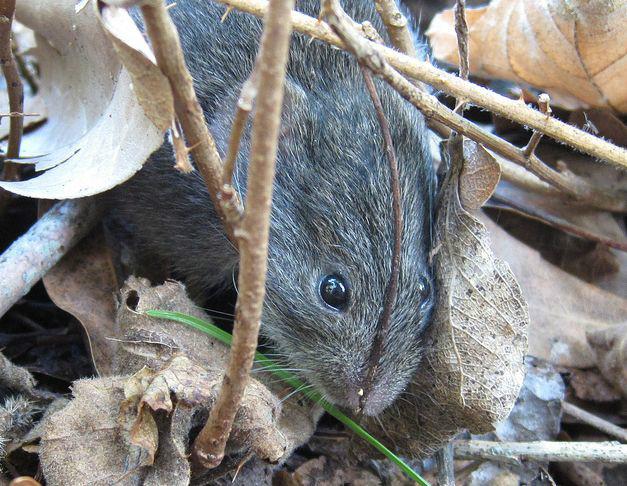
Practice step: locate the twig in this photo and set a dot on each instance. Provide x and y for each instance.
(368, 54)
(446, 471)
(253, 232)
(391, 289)
(536, 136)
(33, 254)
(14, 87)
(396, 25)
(597, 422)
(167, 47)
(461, 30)
(609, 452)
(453, 85)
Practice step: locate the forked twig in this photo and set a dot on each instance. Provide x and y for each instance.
(252, 233)
(15, 89)
(167, 48)
(370, 55)
(397, 26)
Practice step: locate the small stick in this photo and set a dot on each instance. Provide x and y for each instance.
(596, 422)
(453, 85)
(545, 107)
(14, 87)
(30, 257)
(446, 470)
(367, 53)
(391, 289)
(253, 233)
(167, 47)
(461, 30)
(397, 26)
(543, 451)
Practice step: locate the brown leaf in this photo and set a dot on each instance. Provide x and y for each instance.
(590, 386)
(97, 135)
(575, 51)
(473, 366)
(562, 307)
(610, 346)
(479, 177)
(83, 283)
(150, 85)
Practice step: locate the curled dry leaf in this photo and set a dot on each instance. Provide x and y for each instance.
(573, 50)
(562, 307)
(97, 134)
(610, 346)
(135, 427)
(473, 366)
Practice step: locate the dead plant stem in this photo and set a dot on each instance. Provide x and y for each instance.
(453, 85)
(253, 232)
(167, 47)
(368, 54)
(15, 90)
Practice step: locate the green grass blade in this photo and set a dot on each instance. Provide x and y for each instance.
(269, 365)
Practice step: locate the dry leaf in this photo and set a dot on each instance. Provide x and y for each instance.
(610, 346)
(150, 85)
(573, 50)
(473, 367)
(479, 177)
(97, 135)
(135, 428)
(562, 213)
(562, 307)
(83, 283)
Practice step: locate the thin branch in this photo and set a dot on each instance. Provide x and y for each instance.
(368, 54)
(596, 422)
(391, 289)
(544, 103)
(461, 30)
(608, 452)
(167, 47)
(253, 232)
(446, 471)
(30, 257)
(453, 85)
(14, 87)
(397, 26)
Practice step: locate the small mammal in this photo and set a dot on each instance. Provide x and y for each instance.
(331, 237)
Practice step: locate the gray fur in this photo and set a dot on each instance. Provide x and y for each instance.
(331, 209)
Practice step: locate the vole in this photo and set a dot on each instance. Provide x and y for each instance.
(331, 237)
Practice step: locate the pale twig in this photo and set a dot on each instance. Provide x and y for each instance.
(397, 26)
(446, 471)
(453, 85)
(596, 422)
(543, 451)
(30, 257)
(368, 54)
(252, 233)
(545, 107)
(461, 31)
(167, 47)
(383, 325)
(15, 90)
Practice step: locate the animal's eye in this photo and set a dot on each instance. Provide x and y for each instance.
(334, 291)
(424, 289)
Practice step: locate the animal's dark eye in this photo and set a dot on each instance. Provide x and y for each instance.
(334, 291)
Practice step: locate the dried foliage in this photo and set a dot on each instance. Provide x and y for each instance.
(574, 50)
(473, 367)
(135, 425)
(89, 143)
